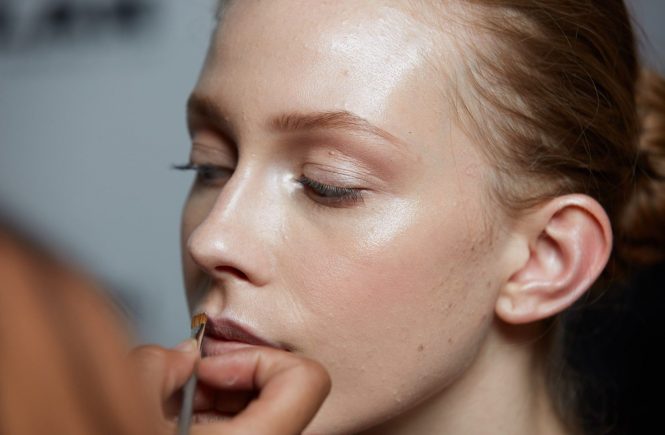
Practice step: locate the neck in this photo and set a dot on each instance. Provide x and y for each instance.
(503, 391)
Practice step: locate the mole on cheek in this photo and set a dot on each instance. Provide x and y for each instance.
(420, 348)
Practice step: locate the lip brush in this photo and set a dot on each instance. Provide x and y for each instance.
(198, 327)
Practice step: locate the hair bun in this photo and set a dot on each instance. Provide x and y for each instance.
(641, 235)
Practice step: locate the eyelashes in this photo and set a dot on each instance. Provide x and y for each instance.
(332, 194)
(209, 175)
(326, 194)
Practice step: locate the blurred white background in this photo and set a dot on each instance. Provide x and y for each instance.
(92, 96)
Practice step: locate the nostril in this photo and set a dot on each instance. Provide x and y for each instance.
(232, 271)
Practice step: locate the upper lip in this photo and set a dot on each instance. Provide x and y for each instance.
(229, 330)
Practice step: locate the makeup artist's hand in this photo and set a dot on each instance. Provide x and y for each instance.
(267, 391)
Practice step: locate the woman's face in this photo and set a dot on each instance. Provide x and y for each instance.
(389, 278)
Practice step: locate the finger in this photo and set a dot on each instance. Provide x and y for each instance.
(292, 389)
(163, 371)
(209, 398)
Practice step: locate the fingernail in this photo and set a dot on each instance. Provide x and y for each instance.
(186, 346)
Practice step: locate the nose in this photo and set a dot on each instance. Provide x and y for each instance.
(233, 241)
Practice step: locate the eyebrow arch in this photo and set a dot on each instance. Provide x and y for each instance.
(200, 105)
(335, 120)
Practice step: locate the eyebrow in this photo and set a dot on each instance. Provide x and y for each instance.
(205, 107)
(335, 120)
(202, 106)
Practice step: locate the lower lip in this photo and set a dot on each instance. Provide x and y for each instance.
(213, 346)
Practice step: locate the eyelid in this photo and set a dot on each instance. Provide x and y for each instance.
(208, 146)
(333, 195)
(339, 174)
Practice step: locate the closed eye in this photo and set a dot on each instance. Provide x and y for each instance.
(331, 195)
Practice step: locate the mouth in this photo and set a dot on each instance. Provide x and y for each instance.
(224, 335)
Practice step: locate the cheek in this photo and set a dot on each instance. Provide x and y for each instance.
(404, 300)
(404, 260)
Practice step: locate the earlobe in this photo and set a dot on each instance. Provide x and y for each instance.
(570, 241)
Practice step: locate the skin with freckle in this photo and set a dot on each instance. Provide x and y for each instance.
(389, 293)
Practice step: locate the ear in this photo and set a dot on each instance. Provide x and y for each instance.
(569, 241)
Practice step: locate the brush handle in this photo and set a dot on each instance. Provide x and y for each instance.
(185, 418)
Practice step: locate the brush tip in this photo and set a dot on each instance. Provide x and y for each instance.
(199, 319)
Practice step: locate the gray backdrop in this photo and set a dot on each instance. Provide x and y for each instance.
(91, 118)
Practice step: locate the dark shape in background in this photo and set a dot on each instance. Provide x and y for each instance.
(614, 346)
(74, 21)
(129, 14)
(5, 22)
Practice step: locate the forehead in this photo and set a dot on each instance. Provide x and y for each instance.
(372, 58)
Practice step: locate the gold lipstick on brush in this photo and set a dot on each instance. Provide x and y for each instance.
(198, 329)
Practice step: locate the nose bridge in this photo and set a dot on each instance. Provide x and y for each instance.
(235, 200)
(235, 234)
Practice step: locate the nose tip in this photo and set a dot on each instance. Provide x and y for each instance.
(234, 236)
(210, 252)
(228, 253)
